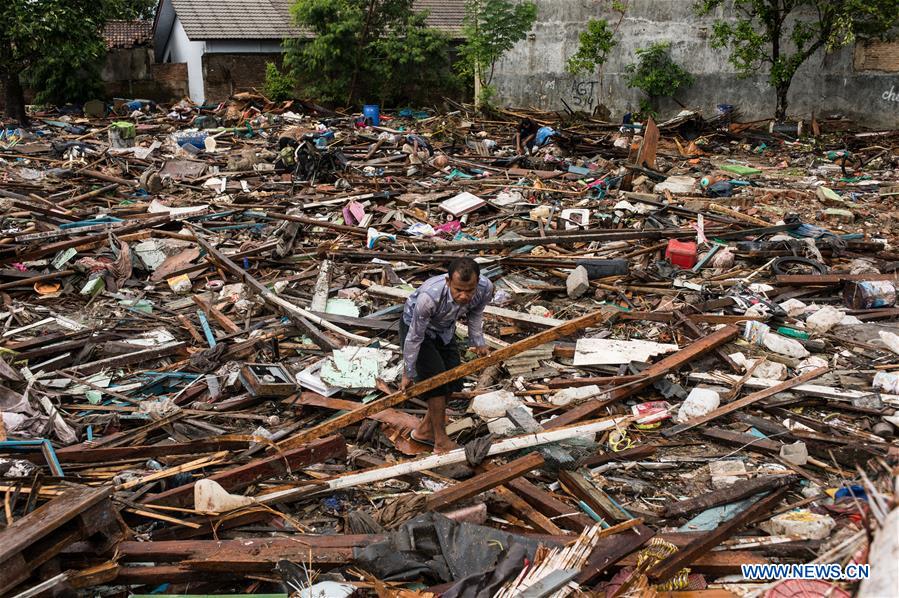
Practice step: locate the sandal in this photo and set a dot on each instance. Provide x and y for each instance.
(420, 440)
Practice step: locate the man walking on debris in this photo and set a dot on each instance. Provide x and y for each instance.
(427, 335)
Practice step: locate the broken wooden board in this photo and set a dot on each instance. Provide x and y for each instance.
(79, 513)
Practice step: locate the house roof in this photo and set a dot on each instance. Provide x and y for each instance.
(270, 19)
(128, 34)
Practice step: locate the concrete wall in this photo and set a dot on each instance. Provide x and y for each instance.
(852, 81)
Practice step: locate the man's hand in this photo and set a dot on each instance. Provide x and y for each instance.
(481, 351)
(406, 383)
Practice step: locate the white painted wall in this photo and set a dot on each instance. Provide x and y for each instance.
(182, 49)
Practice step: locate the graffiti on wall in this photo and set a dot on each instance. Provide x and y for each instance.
(891, 95)
(583, 94)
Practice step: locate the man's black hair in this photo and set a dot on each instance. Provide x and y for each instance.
(465, 267)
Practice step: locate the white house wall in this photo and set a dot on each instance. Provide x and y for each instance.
(182, 49)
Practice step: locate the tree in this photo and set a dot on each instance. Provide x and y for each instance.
(52, 42)
(278, 86)
(595, 45)
(368, 49)
(491, 28)
(783, 34)
(656, 74)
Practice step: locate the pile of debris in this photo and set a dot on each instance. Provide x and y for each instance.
(694, 366)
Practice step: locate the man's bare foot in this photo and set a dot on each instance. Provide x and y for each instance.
(445, 446)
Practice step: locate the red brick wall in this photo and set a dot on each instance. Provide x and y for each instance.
(227, 74)
(877, 56)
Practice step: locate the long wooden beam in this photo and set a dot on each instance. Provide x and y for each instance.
(732, 493)
(649, 375)
(485, 481)
(473, 366)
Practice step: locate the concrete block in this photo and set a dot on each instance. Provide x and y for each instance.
(578, 282)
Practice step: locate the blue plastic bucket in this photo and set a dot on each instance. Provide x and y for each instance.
(372, 113)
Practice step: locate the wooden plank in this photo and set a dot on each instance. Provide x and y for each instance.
(702, 545)
(238, 478)
(127, 359)
(322, 287)
(648, 376)
(696, 333)
(646, 156)
(86, 454)
(473, 366)
(484, 481)
(732, 493)
(812, 390)
(560, 513)
(745, 401)
(610, 550)
(389, 416)
(223, 320)
(744, 441)
(537, 520)
(34, 539)
(576, 484)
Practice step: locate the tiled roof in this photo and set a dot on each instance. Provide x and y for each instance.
(445, 15)
(270, 19)
(127, 34)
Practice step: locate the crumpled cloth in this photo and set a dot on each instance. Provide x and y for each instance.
(477, 450)
(477, 558)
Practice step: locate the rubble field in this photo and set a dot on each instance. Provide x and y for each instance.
(694, 365)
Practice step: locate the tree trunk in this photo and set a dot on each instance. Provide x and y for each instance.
(780, 112)
(15, 98)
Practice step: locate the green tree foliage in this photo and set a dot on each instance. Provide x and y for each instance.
(278, 86)
(56, 46)
(368, 50)
(491, 28)
(656, 74)
(595, 44)
(782, 34)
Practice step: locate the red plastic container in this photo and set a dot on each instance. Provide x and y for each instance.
(681, 253)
